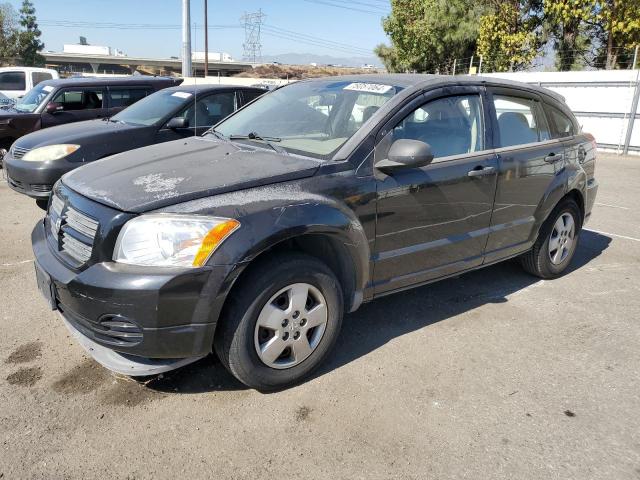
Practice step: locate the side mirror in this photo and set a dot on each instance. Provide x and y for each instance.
(405, 153)
(178, 122)
(53, 107)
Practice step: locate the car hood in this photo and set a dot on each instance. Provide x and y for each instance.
(8, 111)
(81, 133)
(169, 173)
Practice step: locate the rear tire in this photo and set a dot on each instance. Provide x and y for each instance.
(557, 242)
(289, 303)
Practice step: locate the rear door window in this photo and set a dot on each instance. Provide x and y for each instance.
(123, 97)
(451, 125)
(13, 81)
(520, 121)
(250, 95)
(80, 99)
(562, 126)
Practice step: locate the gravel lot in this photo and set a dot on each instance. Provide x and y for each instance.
(490, 375)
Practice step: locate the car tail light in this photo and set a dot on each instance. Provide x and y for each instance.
(592, 139)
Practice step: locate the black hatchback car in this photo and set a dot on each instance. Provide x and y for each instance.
(60, 101)
(36, 161)
(255, 239)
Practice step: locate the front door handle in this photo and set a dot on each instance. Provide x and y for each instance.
(554, 157)
(481, 171)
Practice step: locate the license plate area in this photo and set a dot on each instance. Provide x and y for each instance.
(46, 286)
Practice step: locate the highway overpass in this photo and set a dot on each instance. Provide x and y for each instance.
(74, 62)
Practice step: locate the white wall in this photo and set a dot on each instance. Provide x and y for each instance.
(608, 93)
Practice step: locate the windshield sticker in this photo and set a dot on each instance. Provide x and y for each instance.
(47, 88)
(181, 94)
(368, 87)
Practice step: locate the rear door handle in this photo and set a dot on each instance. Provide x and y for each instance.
(554, 157)
(481, 171)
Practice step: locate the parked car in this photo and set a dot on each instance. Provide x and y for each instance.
(36, 161)
(55, 102)
(256, 238)
(17, 81)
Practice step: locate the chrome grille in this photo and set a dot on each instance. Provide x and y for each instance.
(18, 152)
(81, 223)
(70, 228)
(75, 248)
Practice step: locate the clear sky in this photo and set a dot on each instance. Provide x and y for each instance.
(291, 26)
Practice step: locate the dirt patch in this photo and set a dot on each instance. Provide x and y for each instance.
(129, 393)
(302, 413)
(83, 378)
(25, 377)
(25, 353)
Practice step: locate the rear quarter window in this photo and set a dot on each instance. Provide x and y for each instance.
(561, 124)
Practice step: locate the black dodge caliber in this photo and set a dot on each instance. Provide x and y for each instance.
(36, 161)
(254, 239)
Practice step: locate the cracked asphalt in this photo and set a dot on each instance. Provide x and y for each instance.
(491, 375)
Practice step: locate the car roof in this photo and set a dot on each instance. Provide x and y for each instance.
(416, 81)
(101, 81)
(206, 88)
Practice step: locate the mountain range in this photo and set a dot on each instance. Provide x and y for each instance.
(307, 58)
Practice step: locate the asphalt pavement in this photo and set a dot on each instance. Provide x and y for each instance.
(490, 375)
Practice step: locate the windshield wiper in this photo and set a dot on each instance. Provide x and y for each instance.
(268, 140)
(215, 133)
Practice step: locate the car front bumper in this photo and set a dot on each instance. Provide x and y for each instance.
(34, 179)
(134, 320)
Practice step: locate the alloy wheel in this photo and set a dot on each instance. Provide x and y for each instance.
(562, 238)
(290, 326)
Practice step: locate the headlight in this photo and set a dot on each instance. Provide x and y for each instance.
(50, 152)
(171, 240)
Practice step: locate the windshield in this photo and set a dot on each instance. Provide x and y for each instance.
(34, 98)
(312, 118)
(154, 108)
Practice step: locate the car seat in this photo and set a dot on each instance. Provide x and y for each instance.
(515, 130)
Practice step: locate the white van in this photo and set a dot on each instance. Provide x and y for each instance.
(16, 81)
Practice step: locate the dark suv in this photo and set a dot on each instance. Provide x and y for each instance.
(256, 238)
(55, 102)
(36, 161)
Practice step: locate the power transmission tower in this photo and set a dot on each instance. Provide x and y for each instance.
(252, 26)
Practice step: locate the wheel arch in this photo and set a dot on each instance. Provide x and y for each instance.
(333, 249)
(576, 196)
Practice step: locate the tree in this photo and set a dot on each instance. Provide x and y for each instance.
(29, 38)
(510, 36)
(8, 32)
(568, 23)
(389, 57)
(619, 22)
(607, 29)
(428, 34)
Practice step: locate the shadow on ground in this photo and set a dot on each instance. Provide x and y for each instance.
(380, 321)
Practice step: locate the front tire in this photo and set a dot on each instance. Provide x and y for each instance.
(557, 242)
(281, 322)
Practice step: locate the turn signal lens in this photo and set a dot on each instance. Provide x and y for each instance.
(214, 238)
